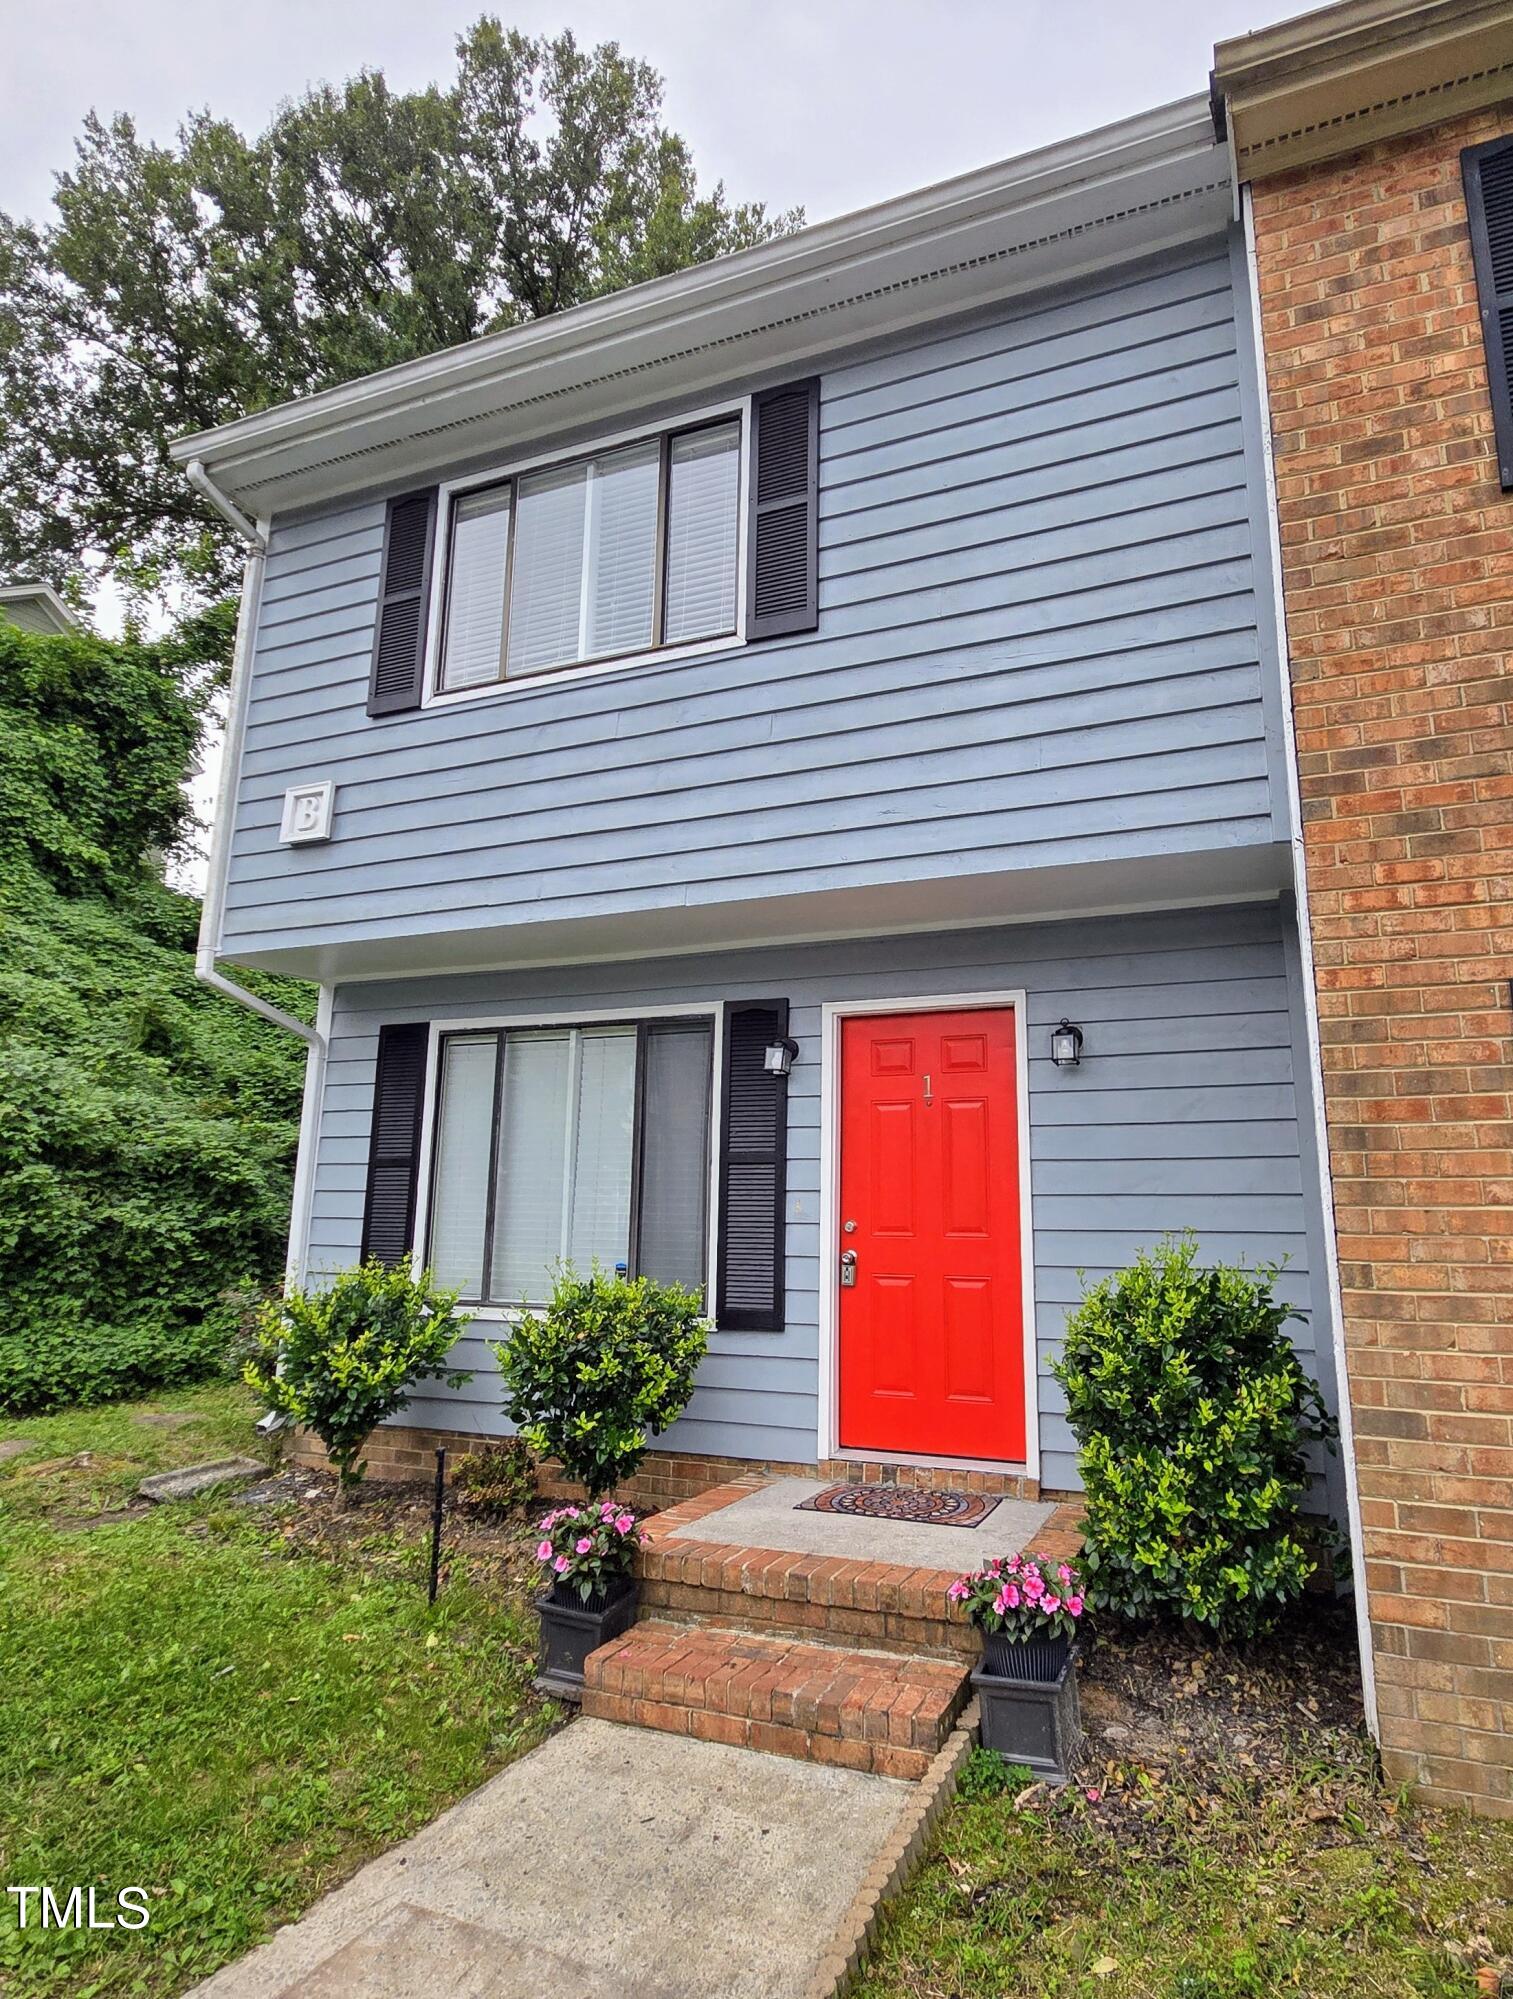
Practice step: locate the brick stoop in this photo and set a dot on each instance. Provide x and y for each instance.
(860, 1710)
(822, 1598)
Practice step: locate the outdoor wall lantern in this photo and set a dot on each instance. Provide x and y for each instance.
(780, 1055)
(1066, 1045)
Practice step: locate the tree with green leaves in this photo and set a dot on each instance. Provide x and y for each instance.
(181, 286)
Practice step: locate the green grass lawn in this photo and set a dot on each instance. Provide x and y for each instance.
(219, 1704)
(1214, 1885)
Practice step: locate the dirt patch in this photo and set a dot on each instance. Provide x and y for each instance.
(1158, 1692)
(401, 1515)
(1176, 1725)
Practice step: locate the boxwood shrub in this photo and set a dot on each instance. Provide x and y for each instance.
(605, 1368)
(1192, 1414)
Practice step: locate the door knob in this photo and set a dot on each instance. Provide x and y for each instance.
(848, 1268)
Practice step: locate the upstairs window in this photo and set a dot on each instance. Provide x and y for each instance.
(571, 1145)
(605, 556)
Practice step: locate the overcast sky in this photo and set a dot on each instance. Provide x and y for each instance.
(828, 103)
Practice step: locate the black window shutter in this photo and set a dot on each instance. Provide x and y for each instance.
(782, 529)
(753, 1171)
(399, 642)
(1488, 175)
(388, 1217)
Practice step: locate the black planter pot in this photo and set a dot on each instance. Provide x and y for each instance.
(571, 1629)
(1024, 1658)
(1027, 1696)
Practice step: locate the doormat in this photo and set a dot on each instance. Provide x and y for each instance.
(901, 1502)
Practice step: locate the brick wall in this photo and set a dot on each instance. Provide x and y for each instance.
(400, 1451)
(1397, 557)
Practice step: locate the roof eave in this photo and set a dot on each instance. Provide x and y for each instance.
(1050, 214)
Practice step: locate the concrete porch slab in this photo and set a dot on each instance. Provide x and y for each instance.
(609, 1862)
(766, 1517)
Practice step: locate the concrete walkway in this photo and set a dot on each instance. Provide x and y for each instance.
(610, 1863)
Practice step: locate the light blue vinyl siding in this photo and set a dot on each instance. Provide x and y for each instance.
(1183, 1115)
(1038, 644)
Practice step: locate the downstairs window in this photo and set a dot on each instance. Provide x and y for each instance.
(571, 1145)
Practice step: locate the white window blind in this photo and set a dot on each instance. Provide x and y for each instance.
(574, 1114)
(533, 1161)
(599, 1222)
(702, 518)
(475, 590)
(622, 550)
(675, 1153)
(459, 1198)
(546, 578)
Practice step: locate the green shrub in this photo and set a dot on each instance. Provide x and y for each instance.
(68, 1364)
(341, 1359)
(1191, 1412)
(496, 1480)
(608, 1366)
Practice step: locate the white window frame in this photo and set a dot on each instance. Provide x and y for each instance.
(711, 1010)
(452, 490)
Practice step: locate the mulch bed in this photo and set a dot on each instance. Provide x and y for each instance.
(1161, 1708)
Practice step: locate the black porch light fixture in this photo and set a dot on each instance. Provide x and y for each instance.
(779, 1056)
(1066, 1045)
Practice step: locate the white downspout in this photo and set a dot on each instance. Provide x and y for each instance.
(213, 908)
(1310, 998)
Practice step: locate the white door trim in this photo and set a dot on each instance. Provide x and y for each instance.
(832, 1013)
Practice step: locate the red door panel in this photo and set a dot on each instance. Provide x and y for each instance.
(932, 1332)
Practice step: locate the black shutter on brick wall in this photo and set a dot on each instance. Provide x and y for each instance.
(388, 1218)
(782, 534)
(753, 1171)
(399, 643)
(1488, 175)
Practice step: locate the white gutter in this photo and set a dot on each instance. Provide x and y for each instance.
(213, 908)
(1310, 1000)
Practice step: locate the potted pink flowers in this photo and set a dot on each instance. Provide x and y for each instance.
(1029, 1610)
(585, 1553)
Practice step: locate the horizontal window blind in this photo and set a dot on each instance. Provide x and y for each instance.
(703, 509)
(475, 590)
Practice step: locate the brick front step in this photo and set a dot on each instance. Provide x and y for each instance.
(860, 1710)
(876, 1606)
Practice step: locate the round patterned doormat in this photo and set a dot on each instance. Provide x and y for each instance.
(901, 1502)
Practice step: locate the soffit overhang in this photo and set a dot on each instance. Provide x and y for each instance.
(1128, 191)
(1347, 76)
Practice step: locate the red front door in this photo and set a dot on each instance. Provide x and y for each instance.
(932, 1329)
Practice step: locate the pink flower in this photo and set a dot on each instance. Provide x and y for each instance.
(544, 1552)
(624, 1522)
(585, 1545)
(1033, 1585)
(561, 1565)
(1074, 1605)
(1093, 1794)
(1050, 1605)
(1008, 1597)
(1064, 1572)
(607, 1510)
(1014, 1565)
(958, 1589)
